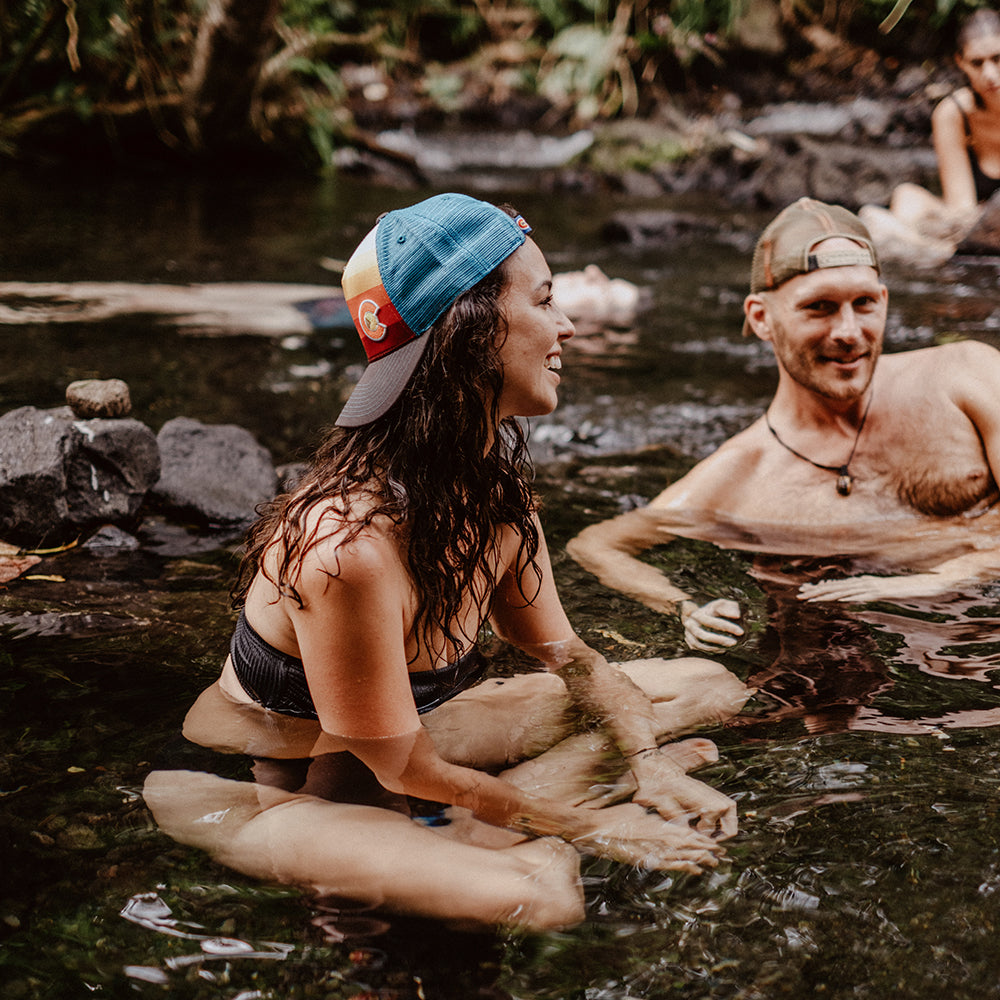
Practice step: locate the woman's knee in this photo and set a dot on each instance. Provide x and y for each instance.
(910, 202)
(712, 685)
(501, 721)
(664, 679)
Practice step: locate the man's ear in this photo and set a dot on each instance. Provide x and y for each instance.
(756, 317)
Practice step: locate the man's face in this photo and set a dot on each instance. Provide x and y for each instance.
(826, 327)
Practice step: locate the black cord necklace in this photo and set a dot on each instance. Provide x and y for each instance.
(845, 481)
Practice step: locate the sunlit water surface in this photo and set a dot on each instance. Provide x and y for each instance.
(866, 769)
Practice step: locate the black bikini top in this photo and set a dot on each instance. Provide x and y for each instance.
(277, 681)
(985, 185)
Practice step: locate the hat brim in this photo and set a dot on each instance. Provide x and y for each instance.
(381, 384)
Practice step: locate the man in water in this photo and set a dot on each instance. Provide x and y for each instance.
(893, 459)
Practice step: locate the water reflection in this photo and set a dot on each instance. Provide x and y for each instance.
(277, 798)
(894, 833)
(831, 665)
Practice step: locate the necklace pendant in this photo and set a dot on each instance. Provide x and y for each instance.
(844, 482)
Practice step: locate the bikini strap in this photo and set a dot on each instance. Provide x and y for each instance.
(965, 117)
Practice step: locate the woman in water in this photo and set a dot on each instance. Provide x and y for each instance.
(354, 693)
(965, 128)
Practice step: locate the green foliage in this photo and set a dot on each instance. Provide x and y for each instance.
(705, 17)
(99, 44)
(590, 58)
(399, 21)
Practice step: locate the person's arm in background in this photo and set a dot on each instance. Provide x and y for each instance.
(611, 549)
(958, 189)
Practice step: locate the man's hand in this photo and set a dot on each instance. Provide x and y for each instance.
(861, 589)
(712, 625)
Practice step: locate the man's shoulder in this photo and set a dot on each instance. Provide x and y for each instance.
(735, 458)
(959, 356)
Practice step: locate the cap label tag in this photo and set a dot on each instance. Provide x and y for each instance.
(841, 258)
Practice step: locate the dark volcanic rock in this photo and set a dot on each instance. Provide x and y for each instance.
(212, 474)
(60, 477)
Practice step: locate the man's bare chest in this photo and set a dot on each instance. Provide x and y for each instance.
(934, 466)
(899, 478)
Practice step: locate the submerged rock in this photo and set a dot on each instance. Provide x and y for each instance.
(641, 227)
(844, 173)
(61, 477)
(212, 474)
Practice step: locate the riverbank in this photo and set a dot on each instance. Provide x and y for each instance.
(851, 150)
(762, 107)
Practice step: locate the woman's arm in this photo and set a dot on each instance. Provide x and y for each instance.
(958, 189)
(351, 633)
(606, 696)
(411, 765)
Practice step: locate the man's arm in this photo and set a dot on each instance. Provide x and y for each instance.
(610, 551)
(946, 578)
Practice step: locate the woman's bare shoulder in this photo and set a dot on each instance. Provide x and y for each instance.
(340, 550)
(950, 112)
(957, 102)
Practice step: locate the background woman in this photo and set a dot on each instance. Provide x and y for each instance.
(965, 128)
(363, 593)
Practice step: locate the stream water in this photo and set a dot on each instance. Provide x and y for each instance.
(867, 864)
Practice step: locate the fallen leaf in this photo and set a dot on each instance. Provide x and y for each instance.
(617, 637)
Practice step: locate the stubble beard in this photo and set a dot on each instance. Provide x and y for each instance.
(805, 370)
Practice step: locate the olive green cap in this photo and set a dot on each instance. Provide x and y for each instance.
(786, 248)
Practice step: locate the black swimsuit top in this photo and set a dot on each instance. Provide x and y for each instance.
(985, 185)
(277, 680)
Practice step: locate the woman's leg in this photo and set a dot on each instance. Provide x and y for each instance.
(527, 721)
(367, 854)
(928, 216)
(686, 693)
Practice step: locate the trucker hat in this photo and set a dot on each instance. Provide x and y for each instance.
(402, 277)
(787, 246)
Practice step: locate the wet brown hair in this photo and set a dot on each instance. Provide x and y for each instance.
(979, 24)
(424, 465)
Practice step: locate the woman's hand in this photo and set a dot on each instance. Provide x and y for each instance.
(631, 834)
(712, 625)
(663, 785)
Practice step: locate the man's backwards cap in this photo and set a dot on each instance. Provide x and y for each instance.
(787, 247)
(404, 274)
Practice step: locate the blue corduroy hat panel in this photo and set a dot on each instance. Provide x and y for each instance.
(432, 252)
